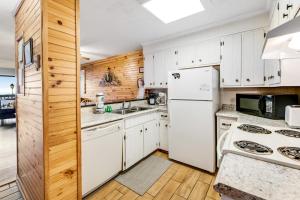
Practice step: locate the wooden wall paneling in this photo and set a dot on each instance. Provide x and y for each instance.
(48, 122)
(62, 83)
(126, 68)
(29, 107)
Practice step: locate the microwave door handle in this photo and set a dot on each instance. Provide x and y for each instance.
(262, 105)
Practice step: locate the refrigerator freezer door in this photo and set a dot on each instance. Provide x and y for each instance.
(191, 84)
(192, 134)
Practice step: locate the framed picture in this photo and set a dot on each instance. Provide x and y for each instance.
(141, 70)
(20, 50)
(28, 52)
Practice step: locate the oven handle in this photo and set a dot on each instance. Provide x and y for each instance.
(219, 147)
(262, 105)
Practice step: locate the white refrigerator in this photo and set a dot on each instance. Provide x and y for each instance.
(193, 100)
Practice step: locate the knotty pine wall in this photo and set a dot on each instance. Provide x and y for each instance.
(126, 68)
(30, 107)
(49, 153)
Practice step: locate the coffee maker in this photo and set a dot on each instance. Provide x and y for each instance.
(161, 99)
(152, 98)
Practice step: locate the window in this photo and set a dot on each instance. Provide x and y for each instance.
(7, 85)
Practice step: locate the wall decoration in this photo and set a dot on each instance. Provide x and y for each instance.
(110, 79)
(28, 52)
(20, 68)
(141, 70)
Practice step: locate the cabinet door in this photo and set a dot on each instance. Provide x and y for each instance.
(151, 137)
(252, 64)
(133, 145)
(272, 72)
(293, 7)
(231, 60)
(186, 56)
(283, 11)
(149, 70)
(208, 53)
(163, 135)
(171, 63)
(275, 17)
(160, 71)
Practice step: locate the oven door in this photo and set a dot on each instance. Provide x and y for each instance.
(251, 104)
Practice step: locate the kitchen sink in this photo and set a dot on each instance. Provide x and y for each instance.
(130, 110)
(139, 108)
(123, 111)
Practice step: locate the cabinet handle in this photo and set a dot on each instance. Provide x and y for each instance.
(146, 129)
(160, 83)
(236, 80)
(150, 83)
(141, 131)
(279, 73)
(248, 80)
(166, 83)
(225, 124)
(193, 61)
(223, 80)
(285, 15)
(200, 60)
(288, 6)
(166, 125)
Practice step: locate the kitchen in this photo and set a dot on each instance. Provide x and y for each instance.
(172, 100)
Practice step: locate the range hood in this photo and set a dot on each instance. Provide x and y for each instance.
(283, 42)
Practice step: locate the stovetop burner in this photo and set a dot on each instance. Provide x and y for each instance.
(254, 129)
(290, 152)
(253, 147)
(289, 133)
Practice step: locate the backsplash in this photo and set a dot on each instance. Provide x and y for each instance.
(117, 77)
(228, 95)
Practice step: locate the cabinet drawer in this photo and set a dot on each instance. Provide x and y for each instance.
(140, 119)
(225, 124)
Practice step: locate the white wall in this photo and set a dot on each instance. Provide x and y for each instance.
(227, 29)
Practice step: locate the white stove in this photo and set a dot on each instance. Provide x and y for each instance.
(272, 144)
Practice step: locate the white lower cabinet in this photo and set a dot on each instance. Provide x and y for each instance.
(134, 147)
(151, 137)
(141, 138)
(163, 135)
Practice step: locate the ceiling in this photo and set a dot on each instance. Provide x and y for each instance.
(118, 26)
(7, 36)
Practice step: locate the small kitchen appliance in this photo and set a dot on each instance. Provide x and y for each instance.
(161, 99)
(267, 106)
(292, 116)
(100, 102)
(152, 99)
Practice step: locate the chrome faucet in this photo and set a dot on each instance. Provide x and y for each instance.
(123, 105)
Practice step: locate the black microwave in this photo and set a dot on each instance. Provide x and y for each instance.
(267, 106)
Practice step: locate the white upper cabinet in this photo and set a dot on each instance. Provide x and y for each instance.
(252, 64)
(284, 11)
(284, 15)
(231, 60)
(149, 70)
(208, 53)
(187, 56)
(160, 71)
(201, 54)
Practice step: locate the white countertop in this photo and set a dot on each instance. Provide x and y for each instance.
(88, 118)
(250, 119)
(241, 177)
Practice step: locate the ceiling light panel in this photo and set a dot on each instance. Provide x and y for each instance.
(172, 10)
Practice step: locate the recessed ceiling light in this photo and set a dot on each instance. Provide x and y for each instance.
(172, 10)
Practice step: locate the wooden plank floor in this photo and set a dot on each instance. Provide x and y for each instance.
(8, 152)
(10, 191)
(179, 182)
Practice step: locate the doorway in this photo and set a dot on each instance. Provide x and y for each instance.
(8, 138)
